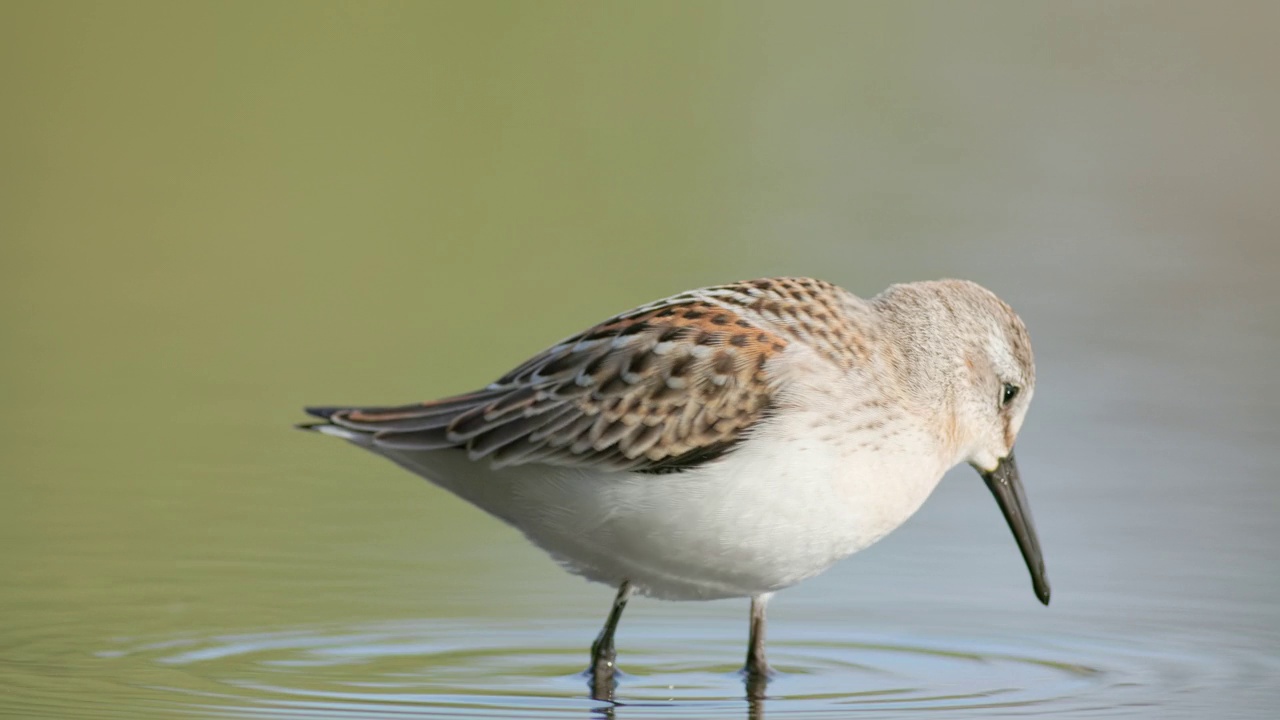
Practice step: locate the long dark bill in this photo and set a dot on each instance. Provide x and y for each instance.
(1007, 487)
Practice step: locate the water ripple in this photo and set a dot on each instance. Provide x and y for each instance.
(467, 669)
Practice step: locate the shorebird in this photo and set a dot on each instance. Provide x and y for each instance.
(731, 441)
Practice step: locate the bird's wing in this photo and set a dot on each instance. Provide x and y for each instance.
(663, 387)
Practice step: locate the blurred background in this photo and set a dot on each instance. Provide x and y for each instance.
(212, 214)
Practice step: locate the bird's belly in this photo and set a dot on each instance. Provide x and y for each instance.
(759, 520)
(713, 535)
(764, 518)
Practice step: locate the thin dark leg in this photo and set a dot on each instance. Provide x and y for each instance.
(757, 669)
(603, 653)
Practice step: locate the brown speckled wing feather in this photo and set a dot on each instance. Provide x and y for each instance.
(662, 387)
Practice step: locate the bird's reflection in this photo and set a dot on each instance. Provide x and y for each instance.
(604, 688)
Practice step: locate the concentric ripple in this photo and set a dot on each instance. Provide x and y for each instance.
(468, 669)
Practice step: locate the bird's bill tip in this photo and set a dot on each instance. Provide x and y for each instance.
(1006, 485)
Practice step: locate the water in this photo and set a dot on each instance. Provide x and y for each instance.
(214, 214)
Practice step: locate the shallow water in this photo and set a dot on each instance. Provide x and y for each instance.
(213, 215)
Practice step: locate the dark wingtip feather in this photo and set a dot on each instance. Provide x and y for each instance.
(322, 412)
(310, 427)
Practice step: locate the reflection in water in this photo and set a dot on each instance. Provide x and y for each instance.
(494, 668)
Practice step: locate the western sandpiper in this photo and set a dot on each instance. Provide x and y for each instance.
(731, 441)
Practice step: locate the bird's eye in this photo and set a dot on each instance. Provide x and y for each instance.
(1010, 392)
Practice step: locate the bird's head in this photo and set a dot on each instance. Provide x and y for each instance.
(969, 356)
